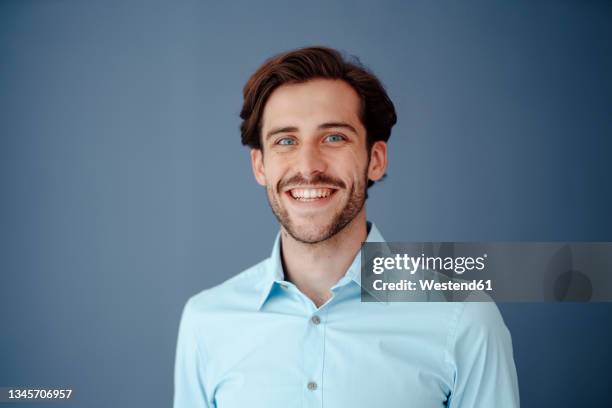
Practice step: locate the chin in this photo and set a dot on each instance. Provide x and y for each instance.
(309, 237)
(311, 232)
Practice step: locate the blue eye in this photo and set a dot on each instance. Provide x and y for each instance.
(335, 138)
(285, 141)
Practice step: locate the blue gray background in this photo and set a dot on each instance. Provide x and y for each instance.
(125, 190)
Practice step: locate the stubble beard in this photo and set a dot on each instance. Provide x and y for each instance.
(340, 220)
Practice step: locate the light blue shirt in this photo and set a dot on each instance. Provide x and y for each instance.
(257, 341)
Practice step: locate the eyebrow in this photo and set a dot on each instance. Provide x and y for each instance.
(326, 125)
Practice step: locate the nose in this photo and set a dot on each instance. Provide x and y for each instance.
(310, 160)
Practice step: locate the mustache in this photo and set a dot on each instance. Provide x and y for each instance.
(313, 181)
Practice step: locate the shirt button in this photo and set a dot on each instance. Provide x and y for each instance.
(315, 320)
(312, 386)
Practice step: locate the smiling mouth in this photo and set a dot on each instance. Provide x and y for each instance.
(311, 194)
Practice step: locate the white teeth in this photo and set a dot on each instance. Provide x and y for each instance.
(310, 193)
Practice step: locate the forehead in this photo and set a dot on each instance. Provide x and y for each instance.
(312, 102)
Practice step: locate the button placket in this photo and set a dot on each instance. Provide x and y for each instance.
(314, 348)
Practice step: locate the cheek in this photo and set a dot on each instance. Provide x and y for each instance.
(274, 170)
(354, 165)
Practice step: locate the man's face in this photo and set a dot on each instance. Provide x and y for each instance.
(315, 163)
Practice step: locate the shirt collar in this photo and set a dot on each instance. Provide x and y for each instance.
(274, 274)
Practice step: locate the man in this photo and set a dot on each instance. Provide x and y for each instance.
(292, 331)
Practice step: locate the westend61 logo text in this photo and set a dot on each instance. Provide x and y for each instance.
(405, 262)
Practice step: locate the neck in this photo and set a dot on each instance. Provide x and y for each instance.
(316, 268)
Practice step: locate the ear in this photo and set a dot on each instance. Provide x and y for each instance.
(257, 165)
(378, 161)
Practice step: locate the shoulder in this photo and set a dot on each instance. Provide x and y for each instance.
(237, 292)
(481, 314)
(205, 315)
(479, 323)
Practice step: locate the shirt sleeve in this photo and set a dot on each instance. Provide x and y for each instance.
(482, 359)
(189, 391)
